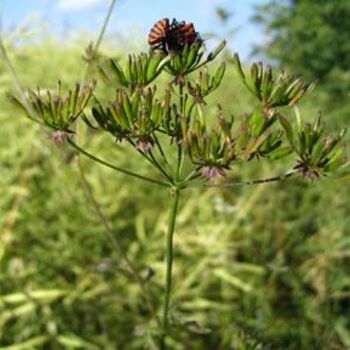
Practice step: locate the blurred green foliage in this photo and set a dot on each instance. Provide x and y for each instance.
(311, 38)
(263, 267)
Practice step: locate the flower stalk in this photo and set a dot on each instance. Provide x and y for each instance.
(175, 194)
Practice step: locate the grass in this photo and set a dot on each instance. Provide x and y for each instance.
(262, 267)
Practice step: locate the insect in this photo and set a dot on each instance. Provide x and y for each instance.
(172, 36)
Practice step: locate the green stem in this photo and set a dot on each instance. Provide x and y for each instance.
(160, 149)
(151, 159)
(169, 265)
(247, 182)
(179, 146)
(17, 82)
(156, 164)
(127, 172)
(193, 175)
(104, 27)
(96, 47)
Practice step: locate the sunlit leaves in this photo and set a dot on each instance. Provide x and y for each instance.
(283, 90)
(190, 59)
(138, 72)
(54, 109)
(318, 154)
(131, 115)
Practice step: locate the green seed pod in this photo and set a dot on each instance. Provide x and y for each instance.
(219, 75)
(136, 114)
(212, 55)
(238, 66)
(139, 72)
(54, 110)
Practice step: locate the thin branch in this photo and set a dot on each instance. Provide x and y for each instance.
(116, 243)
(150, 159)
(104, 27)
(127, 172)
(160, 149)
(248, 182)
(193, 175)
(100, 36)
(156, 163)
(179, 145)
(16, 81)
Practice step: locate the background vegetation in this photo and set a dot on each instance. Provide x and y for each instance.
(264, 267)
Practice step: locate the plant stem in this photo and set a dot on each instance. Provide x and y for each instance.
(127, 172)
(157, 165)
(96, 47)
(104, 26)
(151, 159)
(160, 149)
(179, 146)
(169, 265)
(17, 82)
(247, 182)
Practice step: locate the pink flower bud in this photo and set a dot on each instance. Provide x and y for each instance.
(143, 145)
(59, 137)
(213, 172)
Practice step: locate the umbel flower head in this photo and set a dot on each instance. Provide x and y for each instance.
(317, 154)
(132, 116)
(211, 148)
(55, 110)
(283, 90)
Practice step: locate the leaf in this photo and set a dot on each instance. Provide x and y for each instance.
(38, 295)
(257, 123)
(287, 126)
(238, 66)
(219, 74)
(212, 55)
(336, 161)
(280, 153)
(343, 332)
(249, 268)
(19, 105)
(28, 345)
(75, 342)
(87, 122)
(234, 281)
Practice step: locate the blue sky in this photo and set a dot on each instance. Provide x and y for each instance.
(132, 19)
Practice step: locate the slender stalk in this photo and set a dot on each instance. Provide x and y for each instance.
(127, 172)
(151, 159)
(247, 182)
(104, 27)
(17, 82)
(100, 37)
(169, 265)
(179, 146)
(169, 238)
(156, 164)
(193, 175)
(160, 149)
